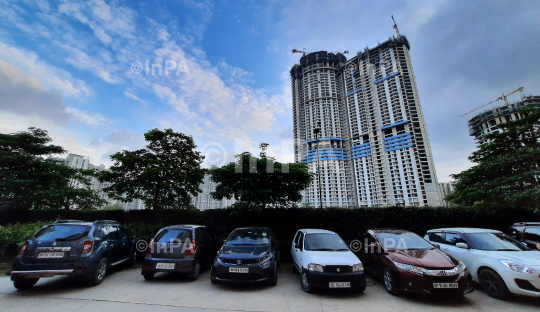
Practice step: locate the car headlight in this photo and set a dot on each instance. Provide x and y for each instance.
(315, 267)
(517, 267)
(264, 262)
(217, 260)
(264, 258)
(358, 267)
(410, 268)
(460, 267)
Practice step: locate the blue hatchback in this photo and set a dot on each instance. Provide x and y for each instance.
(72, 247)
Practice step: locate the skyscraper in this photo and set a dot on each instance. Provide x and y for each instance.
(373, 148)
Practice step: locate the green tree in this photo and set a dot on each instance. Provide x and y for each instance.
(28, 181)
(506, 174)
(165, 174)
(258, 182)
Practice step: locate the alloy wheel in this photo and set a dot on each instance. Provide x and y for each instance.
(305, 283)
(388, 280)
(489, 281)
(102, 270)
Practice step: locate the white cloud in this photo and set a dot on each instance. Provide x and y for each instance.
(89, 118)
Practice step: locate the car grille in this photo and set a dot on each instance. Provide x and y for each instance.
(337, 269)
(235, 261)
(239, 276)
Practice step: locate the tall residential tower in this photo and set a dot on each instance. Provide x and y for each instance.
(373, 148)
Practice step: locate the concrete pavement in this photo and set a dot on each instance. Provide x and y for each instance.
(127, 290)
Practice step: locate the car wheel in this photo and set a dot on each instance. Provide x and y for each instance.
(361, 288)
(304, 283)
(149, 276)
(194, 275)
(493, 284)
(273, 279)
(389, 282)
(25, 283)
(100, 273)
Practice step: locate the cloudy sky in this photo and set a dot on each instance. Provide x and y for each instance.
(72, 68)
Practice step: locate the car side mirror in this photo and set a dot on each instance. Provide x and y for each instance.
(373, 248)
(462, 245)
(525, 244)
(436, 245)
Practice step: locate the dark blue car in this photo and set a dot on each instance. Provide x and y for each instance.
(72, 247)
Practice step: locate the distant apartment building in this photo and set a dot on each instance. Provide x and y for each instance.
(487, 121)
(447, 188)
(373, 145)
(204, 200)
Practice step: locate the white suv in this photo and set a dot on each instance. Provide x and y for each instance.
(325, 261)
(501, 264)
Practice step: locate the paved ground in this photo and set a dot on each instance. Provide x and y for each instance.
(126, 290)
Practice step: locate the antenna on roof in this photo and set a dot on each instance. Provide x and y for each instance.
(395, 26)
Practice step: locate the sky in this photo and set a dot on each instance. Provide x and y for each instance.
(89, 71)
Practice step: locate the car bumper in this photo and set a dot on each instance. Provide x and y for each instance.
(256, 274)
(84, 266)
(184, 265)
(522, 283)
(323, 280)
(415, 283)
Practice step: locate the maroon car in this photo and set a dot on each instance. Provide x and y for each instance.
(405, 262)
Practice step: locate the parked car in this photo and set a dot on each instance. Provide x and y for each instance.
(526, 232)
(72, 247)
(180, 248)
(325, 261)
(248, 255)
(501, 264)
(405, 262)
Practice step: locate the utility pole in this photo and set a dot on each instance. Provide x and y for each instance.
(316, 131)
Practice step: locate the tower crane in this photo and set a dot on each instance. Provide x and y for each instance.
(395, 26)
(502, 97)
(298, 51)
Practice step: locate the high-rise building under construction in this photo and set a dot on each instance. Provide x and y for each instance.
(373, 146)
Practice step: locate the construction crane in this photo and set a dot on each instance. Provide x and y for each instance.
(345, 52)
(395, 26)
(503, 97)
(298, 51)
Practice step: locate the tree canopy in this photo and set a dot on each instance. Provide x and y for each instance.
(259, 182)
(165, 174)
(506, 174)
(28, 181)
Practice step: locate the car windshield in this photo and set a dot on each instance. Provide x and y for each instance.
(324, 242)
(62, 232)
(172, 235)
(402, 241)
(494, 242)
(248, 237)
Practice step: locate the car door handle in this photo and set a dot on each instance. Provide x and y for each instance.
(445, 249)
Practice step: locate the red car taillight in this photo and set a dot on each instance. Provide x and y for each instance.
(192, 248)
(87, 247)
(26, 244)
(149, 249)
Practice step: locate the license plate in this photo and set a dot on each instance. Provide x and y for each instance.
(340, 285)
(49, 255)
(166, 266)
(239, 270)
(445, 285)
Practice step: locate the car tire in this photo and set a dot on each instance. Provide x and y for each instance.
(361, 289)
(493, 284)
(194, 275)
(304, 284)
(132, 260)
(273, 279)
(26, 283)
(389, 282)
(212, 276)
(149, 276)
(278, 259)
(99, 274)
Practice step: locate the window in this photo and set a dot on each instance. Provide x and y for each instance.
(453, 239)
(301, 240)
(111, 231)
(122, 233)
(436, 237)
(532, 234)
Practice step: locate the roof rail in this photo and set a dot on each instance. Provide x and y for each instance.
(527, 223)
(105, 221)
(66, 221)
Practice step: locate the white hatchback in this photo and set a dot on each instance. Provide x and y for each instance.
(325, 261)
(501, 264)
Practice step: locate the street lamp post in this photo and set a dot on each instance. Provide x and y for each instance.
(316, 131)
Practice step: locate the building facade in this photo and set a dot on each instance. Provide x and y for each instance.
(204, 200)
(373, 147)
(487, 121)
(447, 188)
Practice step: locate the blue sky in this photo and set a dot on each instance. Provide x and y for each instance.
(65, 66)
